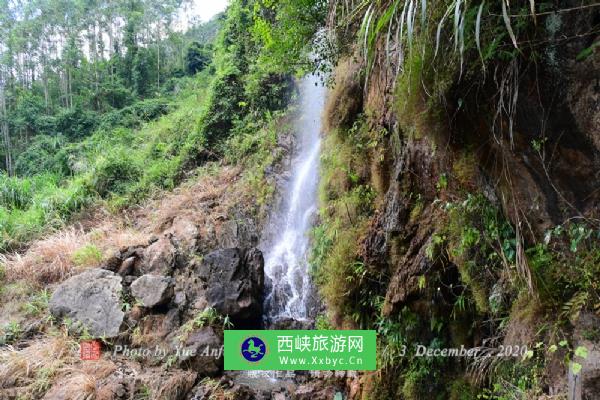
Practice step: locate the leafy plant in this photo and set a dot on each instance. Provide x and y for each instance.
(143, 393)
(208, 317)
(11, 332)
(38, 305)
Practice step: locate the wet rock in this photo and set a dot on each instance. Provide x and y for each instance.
(92, 298)
(152, 290)
(234, 284)
(279, 293)
(412, 265)
(159, 257)
(292, 324)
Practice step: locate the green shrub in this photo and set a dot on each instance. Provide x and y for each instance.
(225, 106)
(38, 304)
(115, 172)
(322, 323)
(347, 202)
(76, 122)
(15, 193)
(461, 389)
(135, 115)
(44, 153)
(481, 242)
(566, 268)
(10, 333)
(415, 384)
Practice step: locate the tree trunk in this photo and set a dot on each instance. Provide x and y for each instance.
(158, 57)
(5, 131)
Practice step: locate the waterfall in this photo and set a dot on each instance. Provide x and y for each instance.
(286, 255)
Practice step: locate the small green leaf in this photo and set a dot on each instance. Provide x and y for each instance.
(552, 348)
(585, 53)
(581, 352)
(528, 355)
(562, 343)
(575, 368)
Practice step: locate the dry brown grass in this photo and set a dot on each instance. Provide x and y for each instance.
(79, 386)
(81, 380)
(51, 366)
(191, 200)
(46, 261)
(33, 368)
(111, 236)
(50, 260)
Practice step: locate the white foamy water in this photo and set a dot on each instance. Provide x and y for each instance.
(286, 256)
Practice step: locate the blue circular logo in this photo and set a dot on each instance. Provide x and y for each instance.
(253, 349)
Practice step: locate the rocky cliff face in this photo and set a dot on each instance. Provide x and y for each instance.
(483, 178)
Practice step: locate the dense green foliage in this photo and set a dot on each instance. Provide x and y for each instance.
(122, 121)
(125, 164)
(69, 68)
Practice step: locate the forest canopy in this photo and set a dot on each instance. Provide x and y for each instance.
(65, 63)
(119, 100)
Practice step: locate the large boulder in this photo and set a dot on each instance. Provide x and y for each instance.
(92, 298)
(235, 281)
(202, 351)
(152, 290)
(185, 233)
(239, 232)
(159, 258)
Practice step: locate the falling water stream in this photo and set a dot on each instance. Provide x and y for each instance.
(289, 290)
(286, 253)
